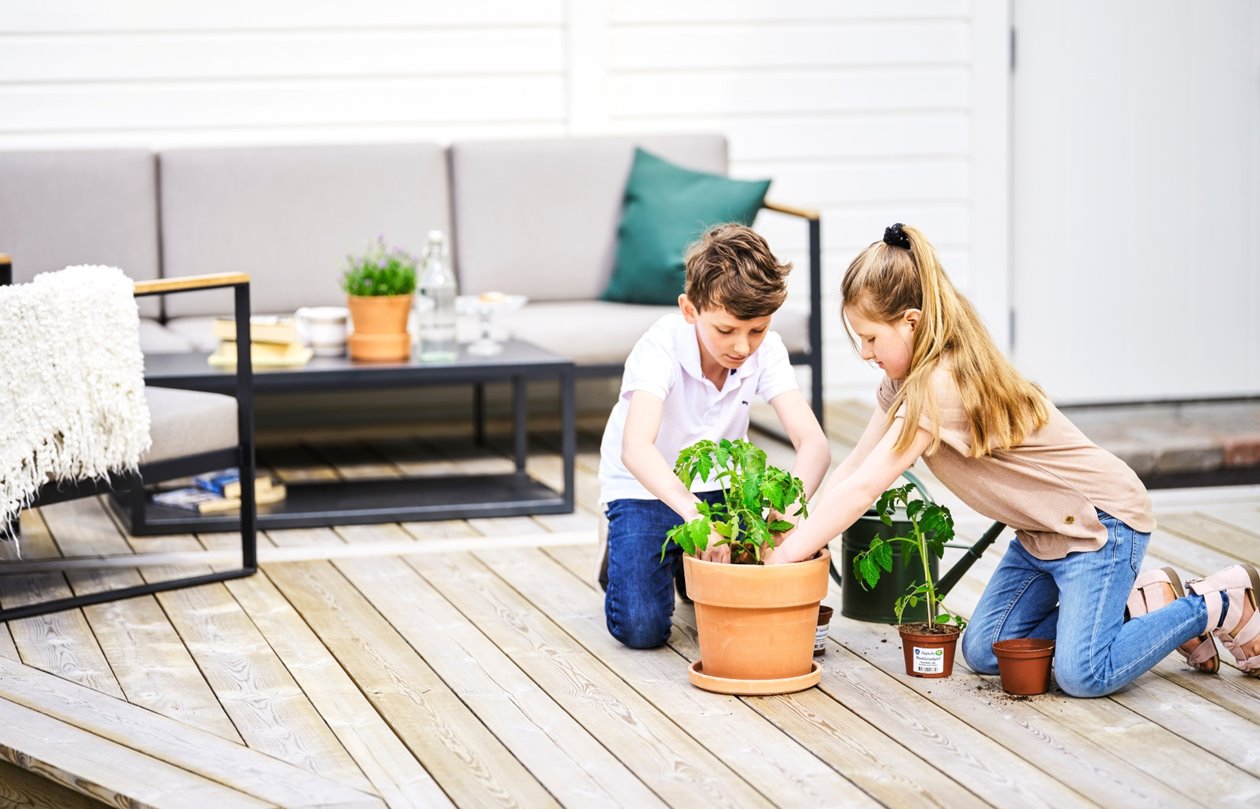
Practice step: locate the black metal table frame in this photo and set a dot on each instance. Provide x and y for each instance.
(365, 501)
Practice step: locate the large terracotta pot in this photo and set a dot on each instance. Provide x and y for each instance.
(380, 327)
(756, 624)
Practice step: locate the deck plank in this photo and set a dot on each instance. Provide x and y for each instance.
(817, 734)
(266, 705)
(964, 755)
(1231, 540)
(107, 772)
(671, 763)
(570, 762)
(60, 643)
(21, 787)
(469, 763)
(144, 652)
(390, 767)
(203, 754)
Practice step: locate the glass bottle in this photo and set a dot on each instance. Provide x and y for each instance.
(435, 303)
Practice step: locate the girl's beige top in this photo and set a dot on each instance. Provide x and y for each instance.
(1048, 488)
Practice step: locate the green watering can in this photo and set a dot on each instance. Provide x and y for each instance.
(876, 603)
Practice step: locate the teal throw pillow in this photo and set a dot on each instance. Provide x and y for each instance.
(667, 207)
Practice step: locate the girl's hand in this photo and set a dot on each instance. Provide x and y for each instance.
(715, 552)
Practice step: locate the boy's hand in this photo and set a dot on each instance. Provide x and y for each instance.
(715, 552)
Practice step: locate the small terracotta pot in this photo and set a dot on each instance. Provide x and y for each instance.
(820, 635)
(928, 654)
(1024, 665)
(380, 327)
(379, 347)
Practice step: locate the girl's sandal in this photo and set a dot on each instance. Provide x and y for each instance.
(1238, 582)
(1149, 595)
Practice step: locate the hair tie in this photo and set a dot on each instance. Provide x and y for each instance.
(896, 237)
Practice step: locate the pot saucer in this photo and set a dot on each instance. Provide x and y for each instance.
(747, 688)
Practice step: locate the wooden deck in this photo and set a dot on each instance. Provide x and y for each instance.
(467, 663)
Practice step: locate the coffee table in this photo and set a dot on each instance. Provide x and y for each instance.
(359, 501)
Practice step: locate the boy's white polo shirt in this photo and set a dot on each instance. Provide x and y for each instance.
(666, 363)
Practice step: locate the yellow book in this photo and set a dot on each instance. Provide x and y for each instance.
(262, 329)
(263, 355)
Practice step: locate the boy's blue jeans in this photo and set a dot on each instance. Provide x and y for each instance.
(639, 601)
(1079, 602)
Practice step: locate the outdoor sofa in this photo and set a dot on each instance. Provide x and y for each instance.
(534, 217)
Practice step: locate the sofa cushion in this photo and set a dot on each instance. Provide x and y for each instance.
(186, 422)
(289, 215)
(539, 217)
(157, 339)
(666, 208)
(603, 332)
(80, 206)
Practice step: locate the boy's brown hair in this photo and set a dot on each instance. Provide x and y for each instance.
(731, 267)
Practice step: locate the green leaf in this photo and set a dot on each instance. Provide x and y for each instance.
(883, 555)
(779, 526)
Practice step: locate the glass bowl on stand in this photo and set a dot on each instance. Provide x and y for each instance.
(485, 306)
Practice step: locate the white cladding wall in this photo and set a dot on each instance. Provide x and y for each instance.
(871, 111)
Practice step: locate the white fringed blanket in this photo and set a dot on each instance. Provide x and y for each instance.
(72, 401)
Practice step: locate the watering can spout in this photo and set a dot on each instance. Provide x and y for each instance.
(960, 568)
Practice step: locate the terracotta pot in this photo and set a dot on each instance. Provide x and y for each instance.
(928, 654)
(380, 315)
(1024, 665)
(756, 624)
(820, 634)
(379, 347)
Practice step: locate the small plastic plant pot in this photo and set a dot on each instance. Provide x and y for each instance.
(820, 634)
(928, 654)
(1024, 665)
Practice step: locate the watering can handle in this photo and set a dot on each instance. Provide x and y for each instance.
(913, 478)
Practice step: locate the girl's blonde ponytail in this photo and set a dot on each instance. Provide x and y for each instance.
(903, 272)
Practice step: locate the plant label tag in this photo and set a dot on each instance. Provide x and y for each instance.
(820, 638)
(929, 661)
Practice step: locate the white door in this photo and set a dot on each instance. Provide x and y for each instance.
(1135, 237)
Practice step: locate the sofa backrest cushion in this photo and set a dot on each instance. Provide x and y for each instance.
(80, 206)
(289, 215)
(539, 217)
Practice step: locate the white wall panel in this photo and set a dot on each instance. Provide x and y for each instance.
(664, 11)
(679, 93)
(724, 44)
(168, 57)
(162, 15)
(157, 105)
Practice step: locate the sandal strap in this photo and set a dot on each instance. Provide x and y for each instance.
(1205, 651)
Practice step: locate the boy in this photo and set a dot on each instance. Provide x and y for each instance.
(693, 376)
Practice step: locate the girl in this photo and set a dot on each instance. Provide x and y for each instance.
(1081, 516)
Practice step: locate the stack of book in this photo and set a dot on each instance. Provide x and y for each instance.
(274, 343)
(219, 491)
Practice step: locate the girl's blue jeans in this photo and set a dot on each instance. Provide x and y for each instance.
(1079, 602)
(639, 600)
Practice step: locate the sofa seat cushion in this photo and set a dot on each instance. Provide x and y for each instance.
(603, 332)
(187, 422)
(157, 339)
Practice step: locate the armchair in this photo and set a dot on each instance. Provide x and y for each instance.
(192, 432)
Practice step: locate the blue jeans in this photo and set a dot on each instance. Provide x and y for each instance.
(1079, 602)
(639, 600)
